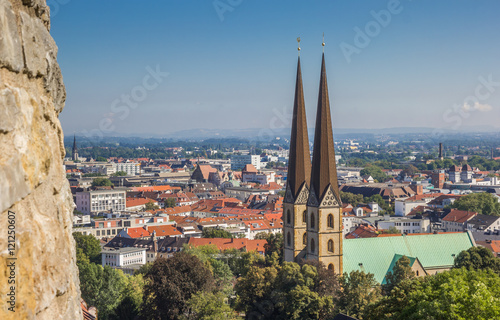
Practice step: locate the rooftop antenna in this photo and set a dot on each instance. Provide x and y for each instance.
(298, 45)
(323, 44)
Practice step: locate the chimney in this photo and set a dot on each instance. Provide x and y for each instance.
(440, 151)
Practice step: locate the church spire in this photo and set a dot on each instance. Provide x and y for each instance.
(299, 163)
(324, 170)
(74, 143)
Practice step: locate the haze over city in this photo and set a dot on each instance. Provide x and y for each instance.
(390, 64)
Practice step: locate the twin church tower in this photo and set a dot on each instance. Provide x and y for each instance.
(312, 210)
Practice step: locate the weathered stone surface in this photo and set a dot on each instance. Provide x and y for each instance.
(32, 178)
(35, 56)
(11, 55)
(41, 10)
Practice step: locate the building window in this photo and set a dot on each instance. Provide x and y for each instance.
(330, 245)
(330, 221)
(313, 245)
(304, 238)
(312, 220)
(331, 267)
(288, 239)
(304, 216)
(288, 218)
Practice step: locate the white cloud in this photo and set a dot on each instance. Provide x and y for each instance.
(477, 106)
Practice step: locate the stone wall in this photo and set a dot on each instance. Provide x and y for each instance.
(33, 186)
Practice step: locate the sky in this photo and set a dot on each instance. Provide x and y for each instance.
(157, 67)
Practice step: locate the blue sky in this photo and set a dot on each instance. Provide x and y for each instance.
(425, 63)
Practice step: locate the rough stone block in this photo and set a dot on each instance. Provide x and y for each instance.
(11, 55)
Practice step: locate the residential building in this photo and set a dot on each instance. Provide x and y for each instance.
(242, 193)
(94, 202)
(139, 204)
(402, 207)
(485, 223)
(131, 168)
(163, 248)
(238, 161)
(251, 174)
(456, 220)
(404, 225)
(127, 259)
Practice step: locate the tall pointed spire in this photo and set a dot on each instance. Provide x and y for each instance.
(299, 163)
(324, 170)
(74, 143)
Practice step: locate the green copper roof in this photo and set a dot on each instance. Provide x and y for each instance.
(377, 254)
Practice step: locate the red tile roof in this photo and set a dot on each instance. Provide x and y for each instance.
(249, 168)
(224, 244)
(271, 186)
(134, 202)
(164, 230)
(459, 216)
(424, 196)
(206, 169)
(138, 232)
(155, 188)
(362, 232)
(495, 246)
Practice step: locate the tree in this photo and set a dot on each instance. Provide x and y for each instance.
(290, 291)
(151, 206)
(102, 287)
(143, 269)
(101, 182)
(89, 246)
(119, 174)
(130, 306)
(374, 171)
(392, 230)
(457, 294)
(380, 201)
(209, 306)
(359, 289)
(351, 198)
(240, 262)
(274, 245)
(211, 256)
(409, 170)
(101, 159)
(171, 284)
(169, 203)
(216, 233)
(400, 272)
(482, 203)
(477, 258)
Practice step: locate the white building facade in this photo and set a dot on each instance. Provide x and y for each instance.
(93, 202)
(238, 161)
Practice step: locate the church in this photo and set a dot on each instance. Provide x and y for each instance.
(312, 209)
